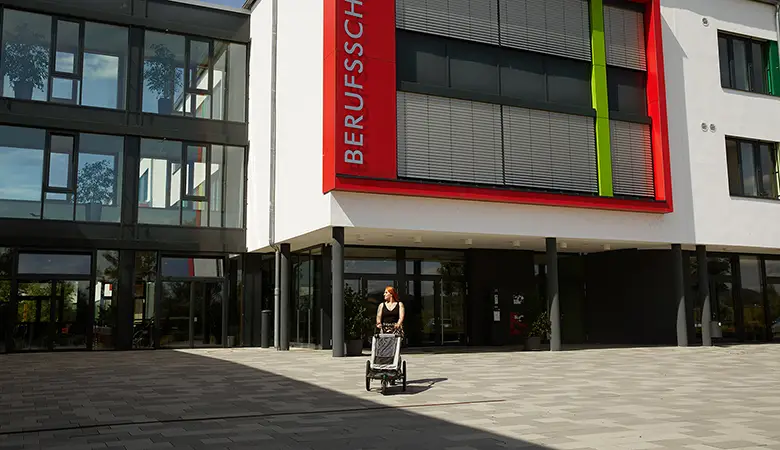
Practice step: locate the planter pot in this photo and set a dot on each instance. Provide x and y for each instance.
(533, 343)
(354, 347)
(23, 90)
(165, 106)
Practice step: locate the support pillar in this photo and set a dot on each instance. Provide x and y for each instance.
(553, 299)
(284, 300)
(704, 295)
(277, 298)
(679, 295)
(337, 270)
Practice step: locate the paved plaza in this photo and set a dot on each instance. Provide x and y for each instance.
(645, 398)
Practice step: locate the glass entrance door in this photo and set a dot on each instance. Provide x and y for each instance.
(191, 314)
(773, 304)
(52, 315)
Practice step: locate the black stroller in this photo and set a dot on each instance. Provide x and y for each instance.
(385, 363)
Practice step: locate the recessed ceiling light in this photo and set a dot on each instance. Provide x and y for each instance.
(607, 247)
(516, 243)
(564, 245)
(361, 238)
(418, 239)
(468, 242)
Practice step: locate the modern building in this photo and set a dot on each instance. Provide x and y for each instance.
(169, 170)
(495, 159)
(123, 152)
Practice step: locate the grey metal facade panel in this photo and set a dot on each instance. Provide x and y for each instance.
(473, 20)
(548, 150)
(624, 32)
(446, 139)
(556, 27)
(632, 159)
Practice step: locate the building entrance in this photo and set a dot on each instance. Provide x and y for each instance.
(191, 314)
(52, 315)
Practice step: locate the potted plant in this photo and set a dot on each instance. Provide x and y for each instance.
(95, 188)
(356, 321)
(25, 61)
(539, 329)
(160, 77)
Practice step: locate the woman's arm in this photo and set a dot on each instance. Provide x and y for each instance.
(401, 313)
(379, 316)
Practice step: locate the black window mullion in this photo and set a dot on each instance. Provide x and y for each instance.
(225, 84)
(182, 178)
(45, 181)
(750, 66)
(211, 81)
(74, 157)
(52, 59)
(732, 64)
(187, 68)
(208, 184)
(80, 63)
(2, 72)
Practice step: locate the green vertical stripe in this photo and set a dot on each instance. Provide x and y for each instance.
(773, 71)
(600, 98)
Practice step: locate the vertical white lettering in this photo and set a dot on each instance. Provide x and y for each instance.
(356, 96)
(357, 35)
(354, 139)
(351, 11)
(353, 91)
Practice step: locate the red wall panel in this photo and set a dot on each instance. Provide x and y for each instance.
(352, 26)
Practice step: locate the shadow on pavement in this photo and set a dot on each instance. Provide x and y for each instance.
(170, 399)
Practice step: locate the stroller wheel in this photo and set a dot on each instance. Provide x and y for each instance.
(368, 376)
(403, 386)
(384, 386)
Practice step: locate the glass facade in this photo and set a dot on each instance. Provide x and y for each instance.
(194, 77)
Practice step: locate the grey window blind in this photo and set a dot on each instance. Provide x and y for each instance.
(632, 159)
(625, 38)
(556, 27)
(473, 20)
(549, 150)
(449, 140)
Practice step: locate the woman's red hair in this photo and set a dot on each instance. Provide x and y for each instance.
(392, 292)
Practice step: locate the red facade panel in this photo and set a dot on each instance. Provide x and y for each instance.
(360, 144)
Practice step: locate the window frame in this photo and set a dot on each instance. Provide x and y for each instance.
(70, 190)
(758, 172)
(78, 72)
(190, 92)
(750, 64)
(500, 54)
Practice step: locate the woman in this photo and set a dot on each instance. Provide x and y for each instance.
(390, 314)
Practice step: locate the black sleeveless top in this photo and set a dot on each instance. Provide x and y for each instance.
(391, 316)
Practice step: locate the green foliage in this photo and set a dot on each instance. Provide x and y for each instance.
(25, 57)
(356, 320)
(541, 326)
(96, 183)
(160, 72)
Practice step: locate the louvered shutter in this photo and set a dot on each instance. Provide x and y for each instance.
(445, 139)
(547, 150)
(632, 159)
(556, 27)
(473, 20)
(624, 32)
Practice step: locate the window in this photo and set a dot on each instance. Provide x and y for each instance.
(59, 176)
(626, 89)
(743, 63)
(752, 168)
(64, 61)
(431, 63)
(194, 77)
(197, 185)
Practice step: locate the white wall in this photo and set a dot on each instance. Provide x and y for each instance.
(258, 170)
(691, 51)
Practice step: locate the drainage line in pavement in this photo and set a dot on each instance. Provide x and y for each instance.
(242, 416)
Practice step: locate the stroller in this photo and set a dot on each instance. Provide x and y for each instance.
(385, 363)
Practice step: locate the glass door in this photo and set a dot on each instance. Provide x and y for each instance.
(723, 311)
(191, 314)
(453, 323)
(773, 304)
(52, 315)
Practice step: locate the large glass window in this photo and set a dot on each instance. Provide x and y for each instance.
(191, 184)
(89, 64)
(743, 63)
(60, 176)
(752, 168)
(194, 77)
(436, 62)
(22, 153)
(626, 91)
(105, 303)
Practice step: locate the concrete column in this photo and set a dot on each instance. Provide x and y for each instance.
(277, 298)
(679, 295)
(553, 299)
(284, 298)
(704, 295)
(337, 270)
